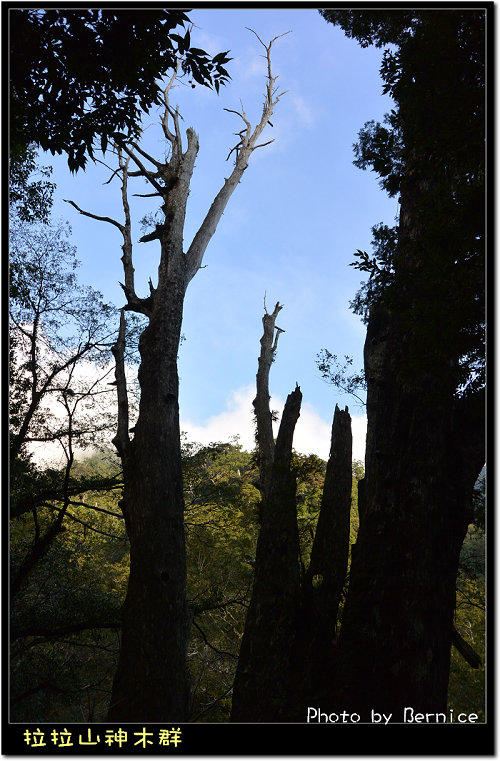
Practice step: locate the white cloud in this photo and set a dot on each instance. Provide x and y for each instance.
(358, 437)
(235, 420)
(312, 433)
(86, 377)
(303, 110)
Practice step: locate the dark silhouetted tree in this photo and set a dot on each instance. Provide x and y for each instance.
(424, 360)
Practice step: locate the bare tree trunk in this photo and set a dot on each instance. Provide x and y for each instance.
(263, 414)
(263, 676)
(325, 578)
(291, 622)
(151, 682)
(326, 575)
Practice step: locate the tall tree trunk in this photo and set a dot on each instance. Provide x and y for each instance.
(263, 676)
(324, 580)
(151, 683)
(325, 577)
(425, 449)
(425, 439)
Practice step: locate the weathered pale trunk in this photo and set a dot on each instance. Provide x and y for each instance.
(263, 677)
(263, 414)
(151, 682)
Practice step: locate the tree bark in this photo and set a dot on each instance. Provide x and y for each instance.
(326, 575)
(324, 580)
(263, 676)
(291, 623)
(263, 414)
(152, 682)
(425, 449)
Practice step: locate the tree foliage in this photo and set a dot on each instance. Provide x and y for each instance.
(336, 371)
(423, 355)
(56, 326)
(62, 99)
(30, 190)
(433, 139)
(66, 620)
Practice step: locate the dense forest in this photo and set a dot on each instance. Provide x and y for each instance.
(153, 578)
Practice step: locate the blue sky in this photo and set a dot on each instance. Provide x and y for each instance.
(289, 231)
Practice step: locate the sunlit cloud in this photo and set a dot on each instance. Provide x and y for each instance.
(312, 433)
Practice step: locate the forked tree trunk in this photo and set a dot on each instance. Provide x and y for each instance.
(325, 578)
(151, 682)
(291, 621)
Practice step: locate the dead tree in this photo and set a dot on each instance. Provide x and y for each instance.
(325, 578)
(151, 683)
(291, 622)
(262, 681)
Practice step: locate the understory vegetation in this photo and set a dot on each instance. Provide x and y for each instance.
(65, 626)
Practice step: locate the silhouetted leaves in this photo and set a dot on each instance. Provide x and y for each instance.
(81, 74)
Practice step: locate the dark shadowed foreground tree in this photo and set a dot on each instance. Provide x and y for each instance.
(77, 75)
(152, 682)
(292, 618)
(424, 360)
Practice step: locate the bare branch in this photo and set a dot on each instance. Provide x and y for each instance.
(144, 172)
(261, 145)
(243, 150)
(133, 301)
(41, 631)
(169, 111)
(212, 647)
(95, 216)
(146, 155)
(95, 508)
(465, 650)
